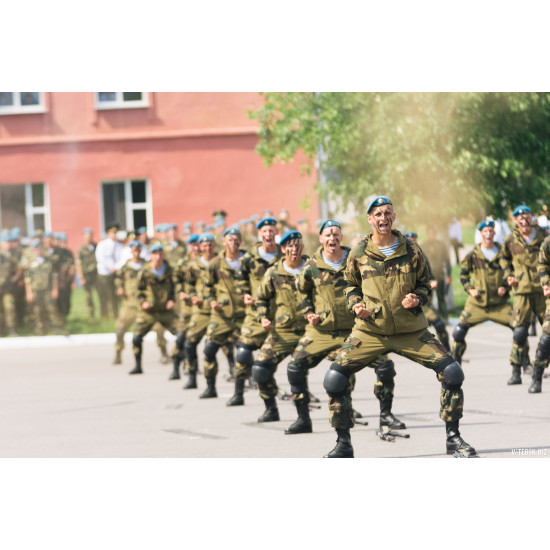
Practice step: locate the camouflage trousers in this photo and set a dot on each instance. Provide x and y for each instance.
(362, 348)
(108, 299)
(44, 313)
(277, 345)
(524, 307)
(221, 331)
(253, 337)
(91, 284)
(126, 318)
(7, 312)
(436, 321)
(473, 315)
(146, 320)
(195, 331)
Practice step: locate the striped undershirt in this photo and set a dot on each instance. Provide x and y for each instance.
(334, 265)
(389, 250)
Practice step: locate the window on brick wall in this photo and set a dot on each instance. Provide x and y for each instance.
(15, 103)
(128, 203)
(120, 100)
(24, 205)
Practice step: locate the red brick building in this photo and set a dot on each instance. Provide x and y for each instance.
(70, 160)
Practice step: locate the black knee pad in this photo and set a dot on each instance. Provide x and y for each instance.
(297, 378)
(262, 371)
(439, 325)
(459, 333)
(385, 372)
(180, 341)
(210, 350)
(543, 349)
(336, 380)
(520, 335)
(244, 355)
(190, 349)
(453, 374)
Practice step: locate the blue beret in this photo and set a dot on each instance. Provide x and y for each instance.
(157, 247)
(206, 238)
(266, 221)
(290, 236)
(329, 223)
(193, 238)
(16, 232)
(232, 231)
(485, 223)
(131, 244)
(378, 201)
(171, 226)
(87, 230)
(410, 234)
(5, 235)
(141, 230)
(61, 236)
(521, 209)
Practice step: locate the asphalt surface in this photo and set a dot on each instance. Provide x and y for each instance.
(61, 397)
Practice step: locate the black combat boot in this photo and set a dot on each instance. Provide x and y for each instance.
(210, 390)
(343, 447)
(176, 372)
(303, 422)
(516, 375)
(118, 358)
(536, 384)
(238, 396)
(271, 413)
(191, 383)
(387, 418)
(137, 368)
(455, 442)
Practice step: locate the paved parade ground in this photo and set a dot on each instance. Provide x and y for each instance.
(61, 397)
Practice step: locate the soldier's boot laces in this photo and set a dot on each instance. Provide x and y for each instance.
(302, 425)
(536, 384)
(191, 383)
(118, 358)
(455, 443)
(238, 396)
(271, 413)
(387, 418)
(516, 375)
(343, 447)
(175, 375)
(210, 390)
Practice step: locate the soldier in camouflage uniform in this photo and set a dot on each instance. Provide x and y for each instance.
(432, 316)
(542, 354)
(277, 312)
(520, 254)
(9, 275)
(156, 294)
(41, 290)
(66, 276)
(86, 267)
(487, 289)
(323, 304)
(17, 250)
(253, 266)
(387, 285)
(223, 292)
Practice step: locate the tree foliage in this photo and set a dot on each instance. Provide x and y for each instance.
(436, 154)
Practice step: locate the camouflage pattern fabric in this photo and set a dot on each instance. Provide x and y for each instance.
(8, 273)
(88, 264)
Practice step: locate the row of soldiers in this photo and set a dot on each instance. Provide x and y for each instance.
(272, 301)
(35, 282)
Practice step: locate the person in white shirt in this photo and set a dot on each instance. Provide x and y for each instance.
(108, 254)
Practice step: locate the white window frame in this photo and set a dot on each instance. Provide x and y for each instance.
(18, 109)
(31, 210)
(119, 102)
(130, 206)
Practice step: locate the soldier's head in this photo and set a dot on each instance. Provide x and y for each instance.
(172, 231)
(330, 236)
(207, 244)
(292, 246)
(111, 230)
(487, 230)
(193, 244)
(87, 235)
(47, 239)
(380, 215)
(156, 255)
(135, 249)
(36, 247)
(411, 235)
(141, 235)
(267, 229)
(523, 217)
(232, 239)
(303, 225)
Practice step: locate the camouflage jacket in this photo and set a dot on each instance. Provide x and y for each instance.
(40, 274)
(66, 266)
(174, 253)
(477, 272)
(8, 272)
(277, 298)
(226, 286)
(254, 267)
(181, 276)
(127, 279)
(196, 280)
(156, 290)
(55, 256)
(86, 258)
(543, 264)
(321, 291)
(381, 284)
(520, 260)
